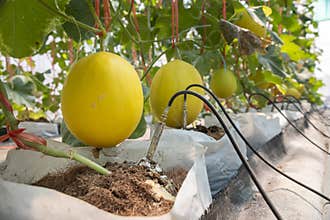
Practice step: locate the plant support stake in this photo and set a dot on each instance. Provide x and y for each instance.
(157, 134)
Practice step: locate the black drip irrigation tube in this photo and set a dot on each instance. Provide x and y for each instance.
(289, 121)
(236, 147)
(320, 113)
(288, 101)
(255, 151)
(302, 110)
(305, 116)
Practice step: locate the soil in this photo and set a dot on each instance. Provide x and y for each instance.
(123, 192)
(212, 131)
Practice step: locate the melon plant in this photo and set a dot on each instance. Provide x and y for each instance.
(223, 83)
(175, 76)
(102, 99)
(65, 31)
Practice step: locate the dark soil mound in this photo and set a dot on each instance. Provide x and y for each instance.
(123, 192)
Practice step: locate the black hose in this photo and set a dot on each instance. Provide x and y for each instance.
(255, 151)
(312, 107)
(318, 111)
(305, 116)
(289, 121)
(238, 151)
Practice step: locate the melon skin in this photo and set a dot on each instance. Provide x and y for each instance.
(102, 99)
(223, 83)
(175, 76)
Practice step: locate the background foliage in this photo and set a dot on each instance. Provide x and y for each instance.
(151, 32)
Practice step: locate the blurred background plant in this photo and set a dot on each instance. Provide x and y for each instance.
(269, 45)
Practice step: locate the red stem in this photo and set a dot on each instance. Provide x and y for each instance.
(70, 48)
(5, 102)
(134, 54)
(17, 135)
(224, 52)
(136, 23)
(137, 29)
(160, 3)
(53, 53)
(224, 15)
(97, 11)
(31, 63)
(280, 27)
(107, 14)
(224, 9)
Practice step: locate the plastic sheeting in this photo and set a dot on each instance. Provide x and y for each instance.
(259, 127)
(42, 129)
(176, 149)
(222, 162)
(295, 156)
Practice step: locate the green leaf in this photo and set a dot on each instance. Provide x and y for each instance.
(271, 61)
(163, 26)
(248, 19)
(248, 41)
(315, 84)
(140, 129)
(292, 49)
(253, 62)
(25, 24)
(20, 91)
(80, 11)
(272, 78)
(267, 10)
(2, 119)
(206, 61)
(291, 23)
(39, 84)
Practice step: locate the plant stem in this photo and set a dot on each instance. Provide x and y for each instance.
(96, 18)
(123, 26)
(70, 154)
(157, 58)
(10, 118)
(68, 18)
(152, 63)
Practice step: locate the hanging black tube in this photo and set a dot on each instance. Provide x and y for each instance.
(253, 150)
(236, 147)
(302, 109)
(289, 121)
(320, 113)
(305, 116)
